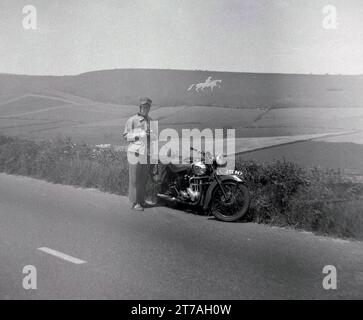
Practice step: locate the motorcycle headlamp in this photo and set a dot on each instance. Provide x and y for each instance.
(199, 168)
(221, 161)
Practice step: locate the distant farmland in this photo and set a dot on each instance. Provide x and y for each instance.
(169, 88)
(94, 107)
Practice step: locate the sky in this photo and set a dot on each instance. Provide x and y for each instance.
(278, 36)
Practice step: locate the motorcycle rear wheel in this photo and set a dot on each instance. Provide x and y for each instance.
(235, 206)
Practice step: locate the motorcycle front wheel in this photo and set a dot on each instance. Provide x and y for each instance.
(232, 206)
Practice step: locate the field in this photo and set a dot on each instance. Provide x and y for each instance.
(266, 110)
(312, 123)
(282, 193)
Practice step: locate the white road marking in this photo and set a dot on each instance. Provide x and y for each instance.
(61, 255)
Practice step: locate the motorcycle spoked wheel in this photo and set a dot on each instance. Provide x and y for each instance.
(235, 206)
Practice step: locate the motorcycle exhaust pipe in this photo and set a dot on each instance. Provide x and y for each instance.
(166, 197)
(173, 199)
(193, 194)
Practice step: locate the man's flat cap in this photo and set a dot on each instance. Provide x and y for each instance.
(145, 100)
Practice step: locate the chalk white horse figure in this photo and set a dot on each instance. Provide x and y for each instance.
(207, 84)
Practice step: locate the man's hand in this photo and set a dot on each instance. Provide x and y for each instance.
(143, 134)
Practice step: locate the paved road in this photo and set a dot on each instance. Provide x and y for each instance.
(156, 254)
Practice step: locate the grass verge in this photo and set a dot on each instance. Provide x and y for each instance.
(321, 201)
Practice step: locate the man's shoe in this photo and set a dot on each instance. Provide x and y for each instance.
(150, 203)
(138, 207)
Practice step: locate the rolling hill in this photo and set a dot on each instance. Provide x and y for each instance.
(94, 107)
(169, 88)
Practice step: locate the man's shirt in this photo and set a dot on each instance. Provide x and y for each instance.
(135, 133)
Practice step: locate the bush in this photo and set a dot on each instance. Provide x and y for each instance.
(322, 201)
(282, 193)
(62, 161)
(271, 187)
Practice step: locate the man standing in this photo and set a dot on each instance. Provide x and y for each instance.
(137, 133)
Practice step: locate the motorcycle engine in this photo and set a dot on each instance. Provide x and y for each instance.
(191, 189)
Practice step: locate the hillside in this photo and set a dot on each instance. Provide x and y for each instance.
(169, 88)
(264, 109)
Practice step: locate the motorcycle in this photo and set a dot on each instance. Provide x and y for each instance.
(198, 184)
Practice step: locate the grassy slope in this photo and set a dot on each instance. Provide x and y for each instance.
(169, 88)
(302, 101)
(282, 193)
(345, 156)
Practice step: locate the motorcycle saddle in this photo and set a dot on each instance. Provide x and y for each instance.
(178, 168)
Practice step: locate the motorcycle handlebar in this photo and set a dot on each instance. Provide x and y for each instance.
(193, 149)
(201, 152)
